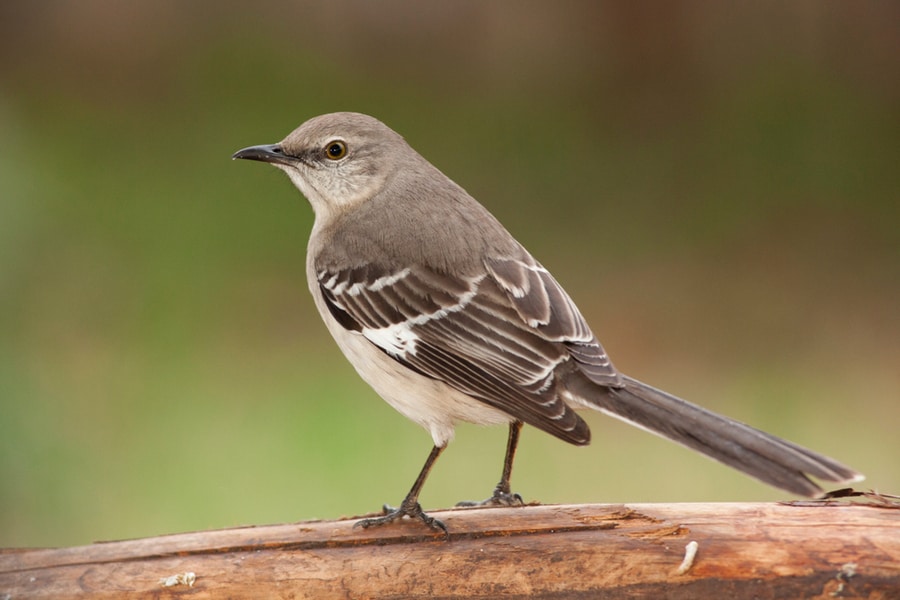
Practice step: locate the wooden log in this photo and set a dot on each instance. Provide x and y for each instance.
(572, 551)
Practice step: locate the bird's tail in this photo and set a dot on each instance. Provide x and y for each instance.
(768, 458)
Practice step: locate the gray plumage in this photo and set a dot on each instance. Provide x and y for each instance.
(449, 318)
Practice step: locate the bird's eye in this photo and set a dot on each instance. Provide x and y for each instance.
(336, 150)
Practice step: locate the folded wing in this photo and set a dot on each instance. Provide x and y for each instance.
(503, 335)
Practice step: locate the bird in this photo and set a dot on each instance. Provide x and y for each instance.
(450, 319)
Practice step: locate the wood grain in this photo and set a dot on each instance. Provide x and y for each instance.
(571, 551)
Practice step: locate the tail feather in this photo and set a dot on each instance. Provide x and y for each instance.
(766, 457)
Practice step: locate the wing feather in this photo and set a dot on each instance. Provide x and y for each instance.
(504, 335)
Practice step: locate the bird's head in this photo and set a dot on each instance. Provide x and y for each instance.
(337, 160)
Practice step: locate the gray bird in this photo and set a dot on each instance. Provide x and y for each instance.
(450, 319)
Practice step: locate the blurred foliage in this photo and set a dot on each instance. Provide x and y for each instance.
(717, 186)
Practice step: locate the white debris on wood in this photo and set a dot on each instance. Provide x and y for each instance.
(187, 579)
(690, 552)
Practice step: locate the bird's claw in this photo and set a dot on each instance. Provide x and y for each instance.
(500, 497)
(411, 510)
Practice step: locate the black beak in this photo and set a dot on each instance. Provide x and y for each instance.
(270, 153)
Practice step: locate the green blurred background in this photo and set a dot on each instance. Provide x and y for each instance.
(716, 184)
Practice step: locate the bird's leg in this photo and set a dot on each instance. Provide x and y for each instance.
(502, 495)
(410, 506)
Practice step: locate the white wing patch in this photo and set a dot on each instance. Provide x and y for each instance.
(400, 340)
(397, 340)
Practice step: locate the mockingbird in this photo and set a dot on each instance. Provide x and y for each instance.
(450, 319)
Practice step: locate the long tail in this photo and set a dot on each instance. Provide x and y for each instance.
(768, 458)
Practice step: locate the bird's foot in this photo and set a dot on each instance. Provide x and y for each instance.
(412, 510)
(501, 497)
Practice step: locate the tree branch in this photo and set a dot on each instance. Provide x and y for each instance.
(571, 551)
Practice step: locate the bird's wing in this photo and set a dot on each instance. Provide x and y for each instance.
(547, 309)
(500, 335)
